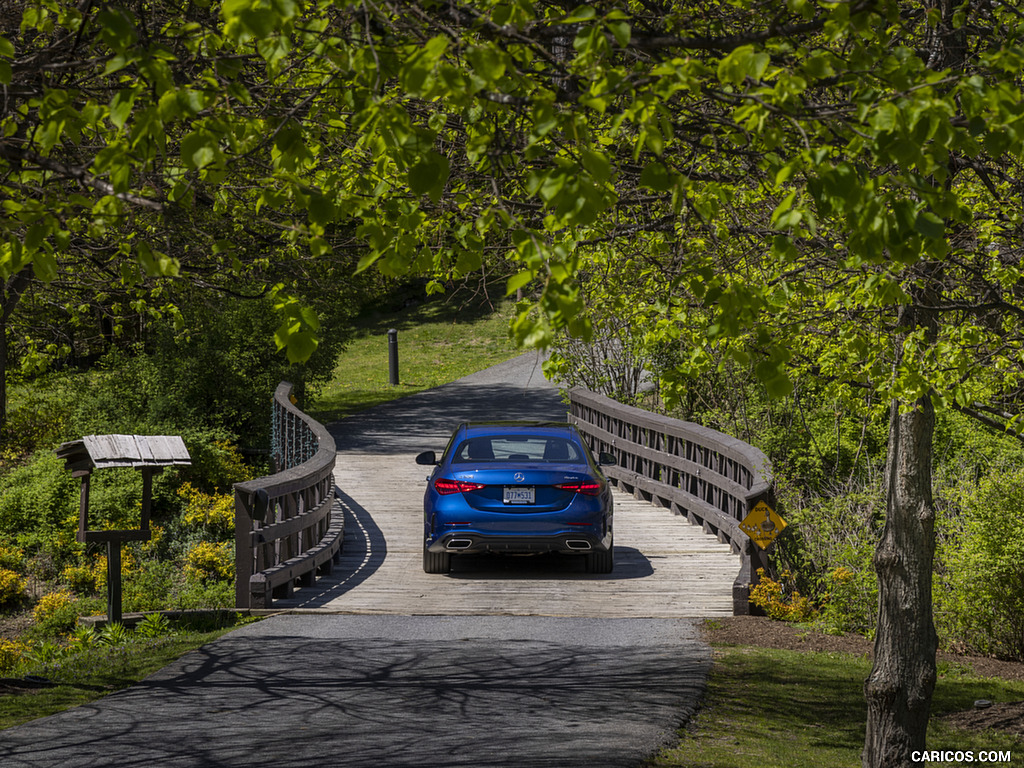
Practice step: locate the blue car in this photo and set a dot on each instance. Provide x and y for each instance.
(517, 487)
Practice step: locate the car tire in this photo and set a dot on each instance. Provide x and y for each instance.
(436, 562)
(600, 562)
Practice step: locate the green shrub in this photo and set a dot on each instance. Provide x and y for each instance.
(81, 578)
(153, 625)
(979, 586)
(830, 545)
(192, 595)
(149, 586)
(46, 651)
(38, 415)
(82, 637)
(849, 601)
(38, 498)
(115, 633)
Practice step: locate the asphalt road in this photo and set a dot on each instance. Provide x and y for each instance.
(335, 690)
(395, 690)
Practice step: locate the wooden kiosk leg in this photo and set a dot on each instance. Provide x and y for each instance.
(114, 582)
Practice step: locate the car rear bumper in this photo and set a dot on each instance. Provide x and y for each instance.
(472, 542)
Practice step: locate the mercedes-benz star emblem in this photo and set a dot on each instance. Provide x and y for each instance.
(520, 477)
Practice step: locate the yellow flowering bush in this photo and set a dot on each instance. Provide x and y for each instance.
(211, 560)
(841, 575)
(207, 510)
(778, 602)
(51, 604)
(129, 563)
(11, 654)
(81, 579)
(12, 587)
(12, 558)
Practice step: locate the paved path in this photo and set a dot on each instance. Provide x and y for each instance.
(390, 691)
(564, 688)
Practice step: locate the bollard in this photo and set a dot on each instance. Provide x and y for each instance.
(393, 357)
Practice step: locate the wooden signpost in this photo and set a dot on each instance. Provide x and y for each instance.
(149, 455)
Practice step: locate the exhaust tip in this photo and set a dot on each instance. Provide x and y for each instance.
(581, 544)
(459, 544)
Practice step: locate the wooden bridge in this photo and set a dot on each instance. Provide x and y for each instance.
(664, 566)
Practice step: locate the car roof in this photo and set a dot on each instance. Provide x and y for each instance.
(514, 427)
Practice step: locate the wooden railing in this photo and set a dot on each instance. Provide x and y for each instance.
(713, 479)
(289, 525)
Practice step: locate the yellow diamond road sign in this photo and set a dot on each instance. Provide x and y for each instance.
(762, 525)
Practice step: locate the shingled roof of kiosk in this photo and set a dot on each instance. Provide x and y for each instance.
(132, 451)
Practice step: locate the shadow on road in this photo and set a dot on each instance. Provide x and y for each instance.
(297, 693)
(424, 421)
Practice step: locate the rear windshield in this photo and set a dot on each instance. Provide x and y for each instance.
(553, 450)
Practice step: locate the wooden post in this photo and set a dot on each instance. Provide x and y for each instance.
(243, 552)
(114, 581)
(147, 494)
(83, 507)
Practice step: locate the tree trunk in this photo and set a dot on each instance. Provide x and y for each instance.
(899, 689)
(13, 289)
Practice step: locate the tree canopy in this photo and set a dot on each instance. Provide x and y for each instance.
(826, 188)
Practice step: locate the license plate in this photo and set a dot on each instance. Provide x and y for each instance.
(520, 494)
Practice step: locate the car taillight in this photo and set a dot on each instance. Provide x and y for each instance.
(448, 487)
(587, 489)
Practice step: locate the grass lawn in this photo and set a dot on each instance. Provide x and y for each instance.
(438, 342)
(787, 709)
(91, 674)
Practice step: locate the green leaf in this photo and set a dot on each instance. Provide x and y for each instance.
(930, 225)
(487, 62)
(621, 31)
(298, 345)
(518, 281)
(320, 208)
(656, 176)
(44, 264)
(121, 107)
(36, 234)
(741, 64)
(198, 149)
(885, 118)
(597, 164)
(774, 378)
(429, 175)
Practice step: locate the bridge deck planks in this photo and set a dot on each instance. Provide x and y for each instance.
(665, 568)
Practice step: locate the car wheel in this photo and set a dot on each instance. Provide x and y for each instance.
(600, 562)
(436, 562)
